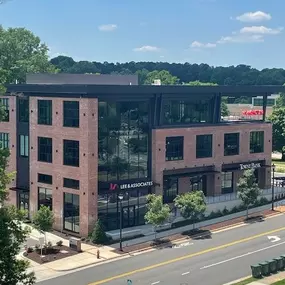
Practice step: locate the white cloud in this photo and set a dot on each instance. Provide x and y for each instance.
(197, 44)
(258, 16)
(241, 38)
(260, 30)
(147, 49)
(107, 28)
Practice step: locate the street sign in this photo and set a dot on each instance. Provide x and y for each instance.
(129, 282)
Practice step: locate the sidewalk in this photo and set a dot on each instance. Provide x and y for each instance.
(270, 279)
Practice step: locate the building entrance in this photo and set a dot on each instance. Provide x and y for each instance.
(129, 216)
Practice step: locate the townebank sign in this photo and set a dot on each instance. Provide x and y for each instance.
(250, 166)
(114, 186)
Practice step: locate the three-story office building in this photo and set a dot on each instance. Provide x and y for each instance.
(76, 147)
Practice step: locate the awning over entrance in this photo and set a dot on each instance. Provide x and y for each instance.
(187, 171)
(244, 165)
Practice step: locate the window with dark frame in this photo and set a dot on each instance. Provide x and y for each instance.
(174, 148)
(231, 144)
(45, 112)
(71, 183)
(44, 178)
(256, 144)
(204, 146)
(24, 146)
(4, 103)
(45, 149)
(23, 110)
(4, 140)
(227, 182)
(44, 197)
(71, 212)
(170, 189)
(71, 114)
(71, 153)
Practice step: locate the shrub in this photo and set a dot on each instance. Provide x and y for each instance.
(225, 211)
(30, 249)
(98, 235)
(59, 243)
(49, 244)
(234, 210)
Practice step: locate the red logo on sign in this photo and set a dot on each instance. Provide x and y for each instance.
(113, 186)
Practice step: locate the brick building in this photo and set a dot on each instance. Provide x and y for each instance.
(75, 147)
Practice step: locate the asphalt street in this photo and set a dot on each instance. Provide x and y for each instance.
(223, 257)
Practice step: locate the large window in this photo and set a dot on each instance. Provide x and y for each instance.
(227, 182)
(231, 144)
(45, 112)
(198, 183)
(204, 147)
(174, 148)
(123, 140)
(44, 178)
(45, 149)
(187, 111)
(23, 110)
(71, 153)
(71, 114)
(71, 212)
(170, 189)
(24, 146)
(133, 208)
(71, 183)
(44, 197)
(4, 140)
(4, 103)
(256, 144)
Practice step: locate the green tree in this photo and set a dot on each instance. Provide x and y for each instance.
(157, 212)
(12, 234)
(278, 130)
(191, 205)
(280, 102)
(165, 77)
(98, 235)
(22, 52)
(248, 190)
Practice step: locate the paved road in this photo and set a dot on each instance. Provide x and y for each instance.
(224, 257)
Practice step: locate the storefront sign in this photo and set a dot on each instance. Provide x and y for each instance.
(250, 166)
(114, 186)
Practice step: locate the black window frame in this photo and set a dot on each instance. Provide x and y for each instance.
(23, 110)
(225, 177)
(45, 143)
(231, 139)
(71, 183)
(170, 193)
(4, 140)
(204, 146)
(44, 178)
(71, 114)
(71, 147)
(4, 103)
(256, 142)
(24, 151)
(174, 148)
(69, 212)
(47, 204)
(44, 112)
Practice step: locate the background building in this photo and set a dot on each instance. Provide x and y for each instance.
(75, 147)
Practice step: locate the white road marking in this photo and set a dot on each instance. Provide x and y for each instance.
(155, 282)
(185, 273)
(274, 238)
(243, 255)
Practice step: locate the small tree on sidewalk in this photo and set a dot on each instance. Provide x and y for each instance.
(157, 212)
(191, 205)
(43, 220)
(248, 190)
(98, 235)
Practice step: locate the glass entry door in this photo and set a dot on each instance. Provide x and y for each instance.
(129, 216)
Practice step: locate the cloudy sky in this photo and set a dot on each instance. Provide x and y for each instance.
(217, 32)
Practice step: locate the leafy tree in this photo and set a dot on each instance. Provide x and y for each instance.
(98, 235)
(281, 100)
(157, 212)
(12, 234)
(248, 190)
(191, 205)
(21, 52)
(165, 77)
(278, 130)
(43, 219)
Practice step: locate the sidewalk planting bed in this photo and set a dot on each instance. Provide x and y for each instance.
(50, 253)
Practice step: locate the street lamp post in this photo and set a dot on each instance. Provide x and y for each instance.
(273, 180)
(121, 197)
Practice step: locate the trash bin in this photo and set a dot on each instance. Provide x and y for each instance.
(283, 258)
(272, 266)
(280, 263)
(265, 268)
(256, 271)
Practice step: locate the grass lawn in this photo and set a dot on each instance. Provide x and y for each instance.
(248, 280)
(282, 282)
(279, 165)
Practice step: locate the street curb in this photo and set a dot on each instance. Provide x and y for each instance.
(238, 280)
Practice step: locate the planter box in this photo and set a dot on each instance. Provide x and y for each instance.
(256, 271)
(265, 268)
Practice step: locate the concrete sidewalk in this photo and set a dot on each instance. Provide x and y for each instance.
(270, 279)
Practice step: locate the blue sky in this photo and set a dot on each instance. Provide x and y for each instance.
(217, 32)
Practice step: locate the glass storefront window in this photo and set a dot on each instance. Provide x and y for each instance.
(227, 182)
(123, 140)
(44, 197)
(23, 203)
(170, 189)
(71, 212)
(198, 183)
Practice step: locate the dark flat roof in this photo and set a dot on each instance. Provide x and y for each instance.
(95, 90)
